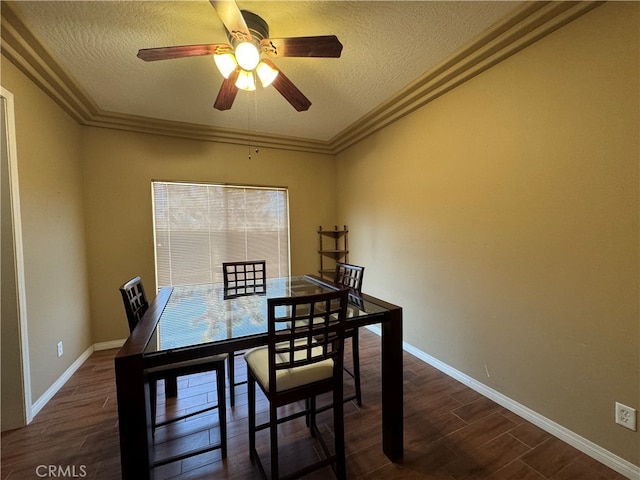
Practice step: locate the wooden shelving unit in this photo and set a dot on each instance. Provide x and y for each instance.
(334, 247)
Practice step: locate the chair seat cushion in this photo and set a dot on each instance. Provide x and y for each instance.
(186, 364)
(258, 361)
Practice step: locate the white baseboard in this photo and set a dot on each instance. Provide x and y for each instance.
(587, 447)
(59, 383)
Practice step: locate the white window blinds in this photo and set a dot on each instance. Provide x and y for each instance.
(199, 226)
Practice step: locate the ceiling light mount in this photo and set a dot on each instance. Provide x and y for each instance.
(258, 28)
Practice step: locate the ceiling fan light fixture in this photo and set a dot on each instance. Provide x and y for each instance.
(247, 55)
(266, 73)
(246, 81)
(226, 63)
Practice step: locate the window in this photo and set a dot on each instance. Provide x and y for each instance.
(199, 226)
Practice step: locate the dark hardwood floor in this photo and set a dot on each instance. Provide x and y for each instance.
(451, 433)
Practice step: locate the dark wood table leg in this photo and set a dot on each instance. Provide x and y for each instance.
(171, 387)
(392, 387)
(134, 419)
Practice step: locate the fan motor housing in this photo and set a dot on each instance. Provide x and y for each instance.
(258, 28)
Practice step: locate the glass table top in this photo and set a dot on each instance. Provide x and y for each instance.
(200, 314)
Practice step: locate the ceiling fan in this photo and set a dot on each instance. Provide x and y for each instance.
(249, 39)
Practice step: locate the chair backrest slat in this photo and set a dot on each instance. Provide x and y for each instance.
(305, 330)
(135, 301)
(349, 276)
(244, 278)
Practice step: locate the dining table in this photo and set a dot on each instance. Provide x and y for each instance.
(192, 321)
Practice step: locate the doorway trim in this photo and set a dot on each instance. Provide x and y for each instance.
(9, 116)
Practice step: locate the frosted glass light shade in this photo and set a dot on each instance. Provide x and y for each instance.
(246, 81)
(226, 63)
(266, 74)
(247, 55)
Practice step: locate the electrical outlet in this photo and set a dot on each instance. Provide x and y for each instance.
(626, 416)
(60, 349)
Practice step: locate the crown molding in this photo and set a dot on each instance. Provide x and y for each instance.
(528, 24)
(22, 48)
(205, 133)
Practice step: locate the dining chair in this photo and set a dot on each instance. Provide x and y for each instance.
(350, 276)
(241, 279)
(302, 359)
(135, 305)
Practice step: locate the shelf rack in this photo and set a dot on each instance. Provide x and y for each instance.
(334, 247)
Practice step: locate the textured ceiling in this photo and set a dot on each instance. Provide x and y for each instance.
(387, 45)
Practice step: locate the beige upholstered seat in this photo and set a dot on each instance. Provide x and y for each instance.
(258, 361)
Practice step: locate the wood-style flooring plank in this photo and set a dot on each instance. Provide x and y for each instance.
(451, 432)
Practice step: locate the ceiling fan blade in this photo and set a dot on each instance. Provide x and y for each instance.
(227, 92)
(288, 90)
(232, 19)
(327, 46)
(166, 53)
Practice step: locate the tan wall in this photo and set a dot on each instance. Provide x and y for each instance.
(119, 167)
(510, 206)
(50, 182)
(503, 217)
(74, 179)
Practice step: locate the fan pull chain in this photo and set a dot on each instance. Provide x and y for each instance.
(255, 128)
